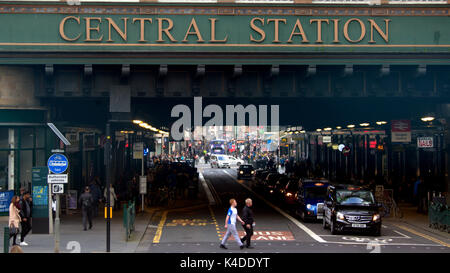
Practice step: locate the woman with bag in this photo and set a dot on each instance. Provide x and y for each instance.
(14, 218)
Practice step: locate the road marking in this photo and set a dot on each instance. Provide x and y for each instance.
(292, 219)
(219, 234)
(206, 189)
(404, 236)
(428, 237)
(158, 233)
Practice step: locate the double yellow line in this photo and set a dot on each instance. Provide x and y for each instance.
(423, 235)
(159, 230)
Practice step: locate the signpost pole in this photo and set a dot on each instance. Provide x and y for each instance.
(108, 183)
(142, 174)
(57, 225)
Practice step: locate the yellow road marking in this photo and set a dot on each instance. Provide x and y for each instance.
(160, 227)
(423, 235)
(219, 234)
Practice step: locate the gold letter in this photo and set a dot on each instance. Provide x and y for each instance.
(363, 30)
(61, 28)
(385, 36)
(142, 22)
(165, 30)
(276, 40)
(301, 32)
(336, 32)
(196, 32)
(122, 34)
(319, 28)
(257, 29)
(213, 32)
(89, 29)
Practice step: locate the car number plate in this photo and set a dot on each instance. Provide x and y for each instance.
(359, 225)
(319, 216)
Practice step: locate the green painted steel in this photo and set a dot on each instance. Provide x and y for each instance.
(6, 240)
(37, 32)
(129, 216)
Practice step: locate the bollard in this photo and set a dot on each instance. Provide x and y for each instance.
(6, 240)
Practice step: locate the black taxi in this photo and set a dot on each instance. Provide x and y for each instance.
(349, 207)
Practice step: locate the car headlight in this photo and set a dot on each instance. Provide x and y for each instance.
(241, 172)
(253, 172)
(376, 217)
(271, 191)
(308, 206)
(288, 194)
(340, 216)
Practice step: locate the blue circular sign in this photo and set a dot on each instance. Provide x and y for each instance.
(57, 163)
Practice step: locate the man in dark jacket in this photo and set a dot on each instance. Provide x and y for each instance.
(247, 217)
(25, 215)
(86, 200)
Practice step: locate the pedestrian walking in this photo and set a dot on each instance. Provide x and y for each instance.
(14, 218)
(249, 222)
(112, 196)
(96, 196)
(230, 225)
(86, 200)
(25, 214)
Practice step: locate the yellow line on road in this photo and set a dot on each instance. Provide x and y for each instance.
(160, 227)
(423, 235)
(219, 234)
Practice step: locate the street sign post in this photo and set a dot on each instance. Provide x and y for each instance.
(57, 164)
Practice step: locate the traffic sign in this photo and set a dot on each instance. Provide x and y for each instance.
(57, 163)
(57, 178)
(57, 188)
(425, 142)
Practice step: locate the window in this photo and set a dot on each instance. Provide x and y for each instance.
(354, 197)
(3, 170)
(27, 137)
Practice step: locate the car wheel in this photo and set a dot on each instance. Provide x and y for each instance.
(238, 164)
(324, 223)
(333, 228)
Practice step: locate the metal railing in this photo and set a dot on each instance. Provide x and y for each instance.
(129, 215)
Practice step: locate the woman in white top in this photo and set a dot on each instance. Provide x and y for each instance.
(112, 196)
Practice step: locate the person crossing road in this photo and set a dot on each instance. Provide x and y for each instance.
(230, 225)
(247, 217)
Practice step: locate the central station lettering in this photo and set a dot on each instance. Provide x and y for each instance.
(161, 30)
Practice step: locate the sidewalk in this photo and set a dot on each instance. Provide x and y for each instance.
(418, 221)
(90, 241)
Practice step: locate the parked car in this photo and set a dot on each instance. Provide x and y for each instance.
(245, 171)
(310, 197)
(350, 208)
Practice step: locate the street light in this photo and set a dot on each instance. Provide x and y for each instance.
(351, 126)
(381, 122)
(319, 130)
(327, 129)
(365, 124)
(338, 127)
(427, 118)
(136, 121)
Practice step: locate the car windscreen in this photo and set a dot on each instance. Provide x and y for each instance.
(245, 167)
(346, 197)
(315, 192)
(221, 158)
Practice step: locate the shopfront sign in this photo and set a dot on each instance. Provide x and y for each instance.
(425, 142)
(151, 27)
